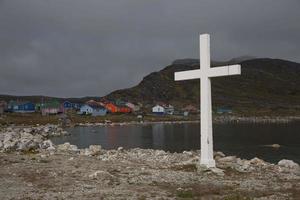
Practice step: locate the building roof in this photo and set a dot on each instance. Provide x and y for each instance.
(95, 106)
(17, 103)
(51, 104)
(94, 103)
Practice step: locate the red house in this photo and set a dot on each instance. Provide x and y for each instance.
(124, 109)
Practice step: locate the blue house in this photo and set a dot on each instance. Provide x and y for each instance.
(76, 106)
(93, 110)
(224, 111)
(21, 107)
(68, 105)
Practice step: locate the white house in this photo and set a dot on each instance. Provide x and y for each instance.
(93, 110)
(86, 109)
(158, 110)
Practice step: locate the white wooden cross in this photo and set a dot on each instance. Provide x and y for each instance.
(205, 73)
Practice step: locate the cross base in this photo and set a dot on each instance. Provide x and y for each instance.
(209, 163)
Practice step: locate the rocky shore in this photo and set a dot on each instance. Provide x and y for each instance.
(45, 171)
(260, 119)
(28, 138)
(218, 120)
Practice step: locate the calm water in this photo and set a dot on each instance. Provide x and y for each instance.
(243, 140)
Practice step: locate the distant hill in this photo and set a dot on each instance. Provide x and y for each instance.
(38, 99)
(265, 85)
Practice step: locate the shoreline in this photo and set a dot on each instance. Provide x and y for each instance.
(32, 165)
(218, 120)
(73, 120)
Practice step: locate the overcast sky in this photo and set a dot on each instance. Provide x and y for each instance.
(74, 48)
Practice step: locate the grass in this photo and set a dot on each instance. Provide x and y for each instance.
(236, 197)
(37, 118)
(185, 194)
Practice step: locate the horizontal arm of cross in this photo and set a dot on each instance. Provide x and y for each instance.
(224, 71)
(211, 72)
(187, 75)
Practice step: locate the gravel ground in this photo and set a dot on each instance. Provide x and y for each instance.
(70, 173)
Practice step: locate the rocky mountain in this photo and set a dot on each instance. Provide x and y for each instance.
(265, 85)
(40, 98)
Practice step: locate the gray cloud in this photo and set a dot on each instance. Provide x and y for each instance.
(77, 48)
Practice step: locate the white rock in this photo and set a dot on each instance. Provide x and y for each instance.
(26, 145)
(67, 147)
(47, 144)
(25, 135)
(9, 145)
(72, 158)
(193, 160)
(27, 130)
(288, 164)
(217, 171)
(120, 149)
(219, 154)
(228, 159)
(46, 129)
(275, 145)
(93, 150)
(188, 153)
(246, 165)
(257, 161)
(100, 174)
(160, 152)
(9, 136)
(43, 156)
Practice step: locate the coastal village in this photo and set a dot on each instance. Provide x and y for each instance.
(99, 108)
(117, 100)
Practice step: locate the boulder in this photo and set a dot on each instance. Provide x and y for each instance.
(9, 145)
(288, 164)
(93, 150)
(218, 155)
(189, 153)
(9, 136)
(120, 148)
(67, 147)
(26, 145)
(47, 144)
(27, 130)
(217, 171)
(26, 135)
(257, 161)
(228, 159)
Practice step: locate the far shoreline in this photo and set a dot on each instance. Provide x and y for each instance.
(72, 120)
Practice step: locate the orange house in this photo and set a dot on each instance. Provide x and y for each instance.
(111, 107)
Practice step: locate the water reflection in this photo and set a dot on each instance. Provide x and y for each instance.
(244, 140)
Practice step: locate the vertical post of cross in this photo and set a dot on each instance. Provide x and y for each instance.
(205, 104)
